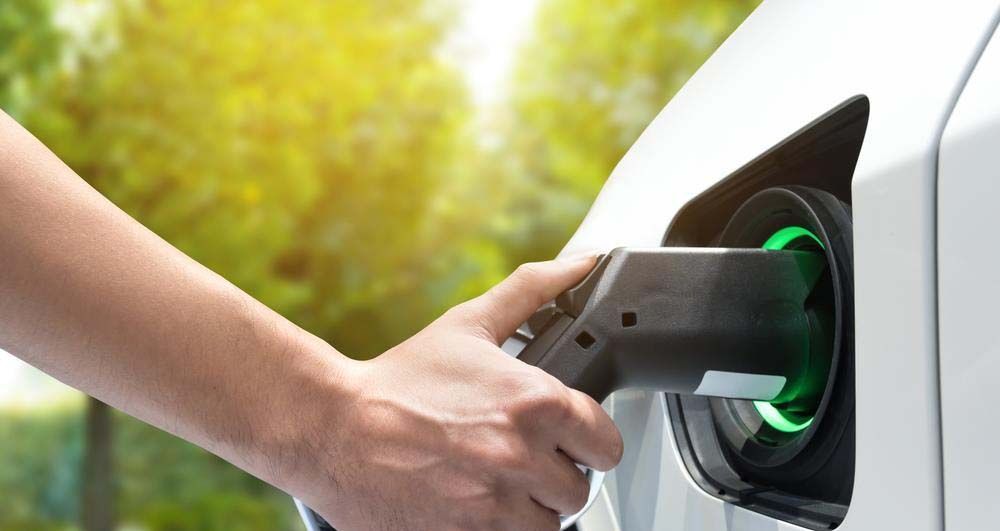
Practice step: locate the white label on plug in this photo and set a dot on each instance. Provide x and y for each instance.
(742, 385)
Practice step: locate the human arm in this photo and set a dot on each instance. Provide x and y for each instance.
(443, 431)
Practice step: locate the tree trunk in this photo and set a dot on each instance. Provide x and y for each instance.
(98, 496)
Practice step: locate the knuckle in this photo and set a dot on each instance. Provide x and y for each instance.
(457, 314)
(473, 315)
(613, 454)
(540, 397)
(617, 449)
(482, 512)
(465, 311)
(528, 272)
(509, 456)
(528, 280)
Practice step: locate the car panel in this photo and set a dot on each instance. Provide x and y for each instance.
(968, 290)
(787, 64)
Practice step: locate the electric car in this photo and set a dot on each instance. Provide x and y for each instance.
(869, 133)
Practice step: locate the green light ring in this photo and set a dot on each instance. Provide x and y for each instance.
(771, 415)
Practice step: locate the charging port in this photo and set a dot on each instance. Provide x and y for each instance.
(791, 460)
(792, 418)
(774, 456)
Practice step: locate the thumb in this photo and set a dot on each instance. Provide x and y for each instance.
(503, 308)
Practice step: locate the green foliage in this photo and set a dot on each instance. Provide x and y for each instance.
(166, 484)
(321, 156)
(170, 485)
(295, 151)
(589, 81)
(39, 462)
(30, 46)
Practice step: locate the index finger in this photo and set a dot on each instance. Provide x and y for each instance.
(511, 302)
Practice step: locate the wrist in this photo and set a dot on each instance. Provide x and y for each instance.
(289, 405)
(304, 425)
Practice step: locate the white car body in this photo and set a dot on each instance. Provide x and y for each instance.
(924, 190)
(923, 195)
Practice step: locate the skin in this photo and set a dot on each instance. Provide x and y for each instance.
(443, 431)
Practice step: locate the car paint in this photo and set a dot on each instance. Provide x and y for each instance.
(968, 291)
(789, 63)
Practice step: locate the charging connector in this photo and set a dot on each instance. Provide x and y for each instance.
(713, 322)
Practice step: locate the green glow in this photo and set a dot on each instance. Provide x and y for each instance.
(772, 415)
(777, 420)
(779, 240)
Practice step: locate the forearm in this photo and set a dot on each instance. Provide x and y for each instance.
(444, 431)
(93, 298)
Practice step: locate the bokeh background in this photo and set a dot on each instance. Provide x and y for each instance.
(359, 166)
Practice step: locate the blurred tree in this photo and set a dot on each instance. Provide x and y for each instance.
(165, 483)
(297, 152)
(97, 509)
(30, 47)
(592, 77)
(320, 156)
(40, 454)
(169, 485)
(306, 154)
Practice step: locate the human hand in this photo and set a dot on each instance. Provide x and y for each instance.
(446, 431)
(442, 432)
